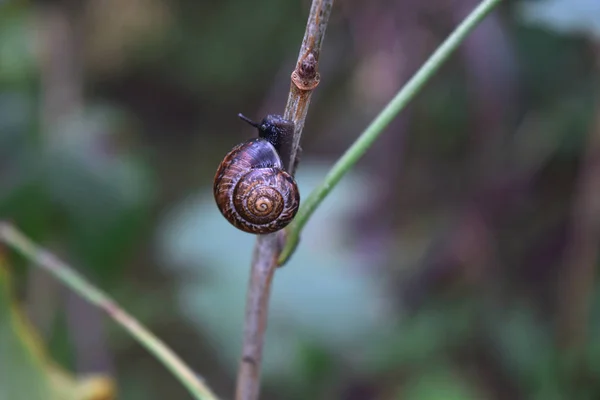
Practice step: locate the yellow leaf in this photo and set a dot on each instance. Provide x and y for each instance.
(26, 371)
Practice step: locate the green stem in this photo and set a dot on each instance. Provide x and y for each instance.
(368, 137)
(44, 259)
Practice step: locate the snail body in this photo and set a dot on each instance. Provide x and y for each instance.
(252, 189)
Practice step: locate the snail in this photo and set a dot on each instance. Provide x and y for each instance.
(252, 189)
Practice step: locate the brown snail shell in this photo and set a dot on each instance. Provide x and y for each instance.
(252, 189)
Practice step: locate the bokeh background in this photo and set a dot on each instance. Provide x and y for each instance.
(456, 261)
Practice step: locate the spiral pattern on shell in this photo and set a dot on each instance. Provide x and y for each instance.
(252, 190)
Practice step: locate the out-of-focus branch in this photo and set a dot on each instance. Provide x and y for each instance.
(489, 61)
(305, 78)
(581, 255)
(58, 45)
(60, 39)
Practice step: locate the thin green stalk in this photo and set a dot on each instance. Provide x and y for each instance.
(368, 137)
(46, 260)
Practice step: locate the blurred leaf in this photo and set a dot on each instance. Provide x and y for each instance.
(17, 166)
(316, 366)
(17, 60)
(87, 170)
(563, 16)
(560, 130)
(86, 388)
(428, 335)
(546, 78)
(25, 371)
(593, 350)
(526, 348)
(22, 198)
(22, 374)
(104, 191)
(449, 103)
(439, 383)
(573, 119)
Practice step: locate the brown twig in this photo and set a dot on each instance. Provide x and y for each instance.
(304, 79)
